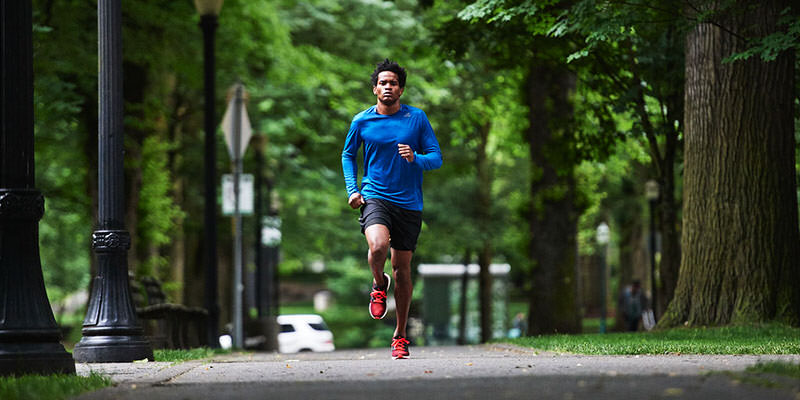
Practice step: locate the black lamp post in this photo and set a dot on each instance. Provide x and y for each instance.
(111, 331)
(603, 237)
(209, 10)
(29, 335)
(651, 192)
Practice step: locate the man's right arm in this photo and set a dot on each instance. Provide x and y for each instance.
(355, 200)
(350, 166)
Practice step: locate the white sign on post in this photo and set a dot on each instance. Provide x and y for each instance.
(245, 194)
(271, 231)
(228, 128)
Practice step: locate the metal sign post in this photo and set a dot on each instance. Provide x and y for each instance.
(236, 126)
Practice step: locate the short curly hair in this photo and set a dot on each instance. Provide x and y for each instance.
(389, 65)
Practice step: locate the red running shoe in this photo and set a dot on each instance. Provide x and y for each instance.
(399, 348)
(377, 300)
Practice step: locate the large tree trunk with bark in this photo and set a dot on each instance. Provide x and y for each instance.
(553, 216)
(740, 226)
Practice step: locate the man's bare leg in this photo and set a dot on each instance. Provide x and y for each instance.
(401, 268)
(378, 241)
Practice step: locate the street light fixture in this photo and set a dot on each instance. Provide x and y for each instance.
(209, 11)
(651, 193)
(603, 237)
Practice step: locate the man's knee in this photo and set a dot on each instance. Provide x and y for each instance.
(377, 239)
(379, 246)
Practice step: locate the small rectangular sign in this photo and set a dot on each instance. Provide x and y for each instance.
(271, 231)
(245, 194)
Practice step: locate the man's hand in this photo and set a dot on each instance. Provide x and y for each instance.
(355, 200)
(406, 152)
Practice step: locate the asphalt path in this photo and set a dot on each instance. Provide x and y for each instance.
(457, 372)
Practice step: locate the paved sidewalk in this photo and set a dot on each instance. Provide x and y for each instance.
(458, 372)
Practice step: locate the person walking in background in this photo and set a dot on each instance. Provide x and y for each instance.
(632, 303)
(518, 327)
(399, 144)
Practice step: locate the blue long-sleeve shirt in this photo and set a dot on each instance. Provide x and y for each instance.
(386, 174)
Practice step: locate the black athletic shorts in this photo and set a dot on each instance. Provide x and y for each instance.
(404, 225)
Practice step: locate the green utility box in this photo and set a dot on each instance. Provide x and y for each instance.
(441, 301)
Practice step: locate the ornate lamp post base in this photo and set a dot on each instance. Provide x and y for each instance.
(29, 335)
(105, 349)
(111, 332)
(35, 358)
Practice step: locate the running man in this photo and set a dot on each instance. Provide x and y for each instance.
(398, 145)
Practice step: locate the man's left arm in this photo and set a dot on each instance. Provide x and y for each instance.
(429, 156)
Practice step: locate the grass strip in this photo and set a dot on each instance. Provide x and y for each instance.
(175, 355)
(50, 387)
(771, 338)
(58, 387)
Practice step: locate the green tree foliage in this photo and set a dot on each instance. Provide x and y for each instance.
(635, 50)
(514, 37)
(62, 175)
(155, 228)
(63, 241)
(550, 114)
(306, 111)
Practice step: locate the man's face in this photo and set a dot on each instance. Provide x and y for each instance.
(388, 88)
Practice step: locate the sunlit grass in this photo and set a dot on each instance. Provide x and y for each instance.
(50, 387)
(754, 339)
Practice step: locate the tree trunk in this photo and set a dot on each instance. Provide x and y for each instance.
(177, 252)
(134, 93)
(666, 273)
(740, 226)
(175, 128)
(485, 252)
(553, 217)
(667, 210)
(89, 119)
(667, 204)
(462, 304)
(484, 261)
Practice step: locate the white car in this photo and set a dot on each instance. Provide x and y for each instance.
(303, 332)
